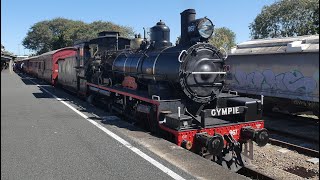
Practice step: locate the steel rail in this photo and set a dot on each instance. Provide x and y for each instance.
(254, 174)
(299, 149)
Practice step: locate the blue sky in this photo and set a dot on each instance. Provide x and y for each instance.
(17, 16)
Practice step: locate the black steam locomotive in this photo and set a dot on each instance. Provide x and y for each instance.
(174, 91)
(191, 71)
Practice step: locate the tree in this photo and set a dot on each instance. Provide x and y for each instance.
(38, 38)
(57, 33)
(98, 26)
(223, 37)
(286, 18)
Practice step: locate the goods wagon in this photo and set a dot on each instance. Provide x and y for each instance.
(284, 70)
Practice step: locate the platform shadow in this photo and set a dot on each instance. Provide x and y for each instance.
(97, 113)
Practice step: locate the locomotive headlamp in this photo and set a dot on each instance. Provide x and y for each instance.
(202, 28)
(205, 28)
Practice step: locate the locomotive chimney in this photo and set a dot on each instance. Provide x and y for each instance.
(187, 16)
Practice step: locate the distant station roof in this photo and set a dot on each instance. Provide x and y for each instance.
(21, 57)
(7, 57)
(308, 43)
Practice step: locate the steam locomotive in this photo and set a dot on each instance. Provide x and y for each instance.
(174, 91)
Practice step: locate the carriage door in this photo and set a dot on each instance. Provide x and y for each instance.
(55, 71)
(79, 58)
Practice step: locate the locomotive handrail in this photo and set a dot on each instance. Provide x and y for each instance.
(155, 97)
(179, 57)
(235, 92)
(217, 60)
(225, 52)
(208, 72)
(217, 84)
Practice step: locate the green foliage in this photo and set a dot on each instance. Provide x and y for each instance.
(287, 18)
(223, 37)
(45, 36)
(98, 26)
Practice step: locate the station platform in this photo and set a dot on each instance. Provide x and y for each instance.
(47, 133)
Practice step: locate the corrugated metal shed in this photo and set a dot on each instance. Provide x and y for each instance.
(308, 43)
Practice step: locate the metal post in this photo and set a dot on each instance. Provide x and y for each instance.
(144, 33)
(117, 41)
(203, 119)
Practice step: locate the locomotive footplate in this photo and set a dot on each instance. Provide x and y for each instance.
(184, 122)
(177, 122)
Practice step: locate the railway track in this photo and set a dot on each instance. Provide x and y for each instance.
(294, 132)
(299, 149)
(292, 144)
(252, 173)
(298, 118)
(285, 134)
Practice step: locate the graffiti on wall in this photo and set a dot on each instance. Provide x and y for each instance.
(290, 83)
